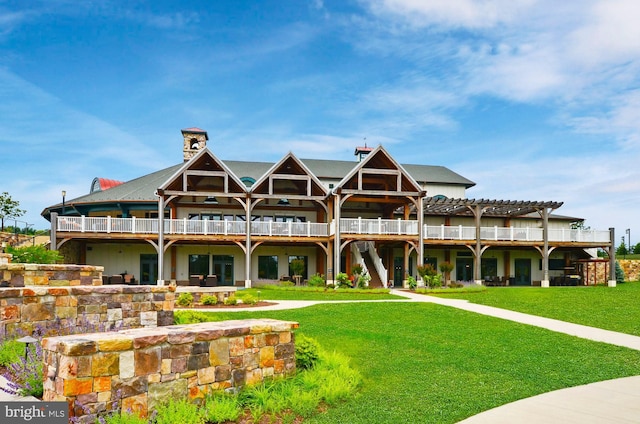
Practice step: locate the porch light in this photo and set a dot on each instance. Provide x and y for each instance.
(64, 194)
(27, 340)
(211, 201)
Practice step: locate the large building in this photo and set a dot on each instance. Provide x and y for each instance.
(245, 222)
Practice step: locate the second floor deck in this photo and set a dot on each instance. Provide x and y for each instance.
(94, 227)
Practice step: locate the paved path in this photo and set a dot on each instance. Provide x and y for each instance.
(613, 401)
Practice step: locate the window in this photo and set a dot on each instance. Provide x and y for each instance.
(198, 264)
(268, 267)
(555, 264)
(431, 261)
(489, 267)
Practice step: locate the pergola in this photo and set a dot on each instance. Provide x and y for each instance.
(499, 208)
(478, 208)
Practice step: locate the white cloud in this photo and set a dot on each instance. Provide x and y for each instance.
(453, 13)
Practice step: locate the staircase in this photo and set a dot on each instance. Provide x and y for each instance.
(375, 281)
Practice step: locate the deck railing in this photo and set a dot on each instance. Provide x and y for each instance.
(313, 229)
(534, 234)
(378, 226)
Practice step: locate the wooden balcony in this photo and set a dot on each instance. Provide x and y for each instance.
(349, 227)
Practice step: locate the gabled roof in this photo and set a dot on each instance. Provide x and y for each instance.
(290, 178)
(379, 174)
(205, 174)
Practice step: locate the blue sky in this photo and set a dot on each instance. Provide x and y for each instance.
(531, 99)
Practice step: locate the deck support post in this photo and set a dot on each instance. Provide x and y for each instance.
(612, 258)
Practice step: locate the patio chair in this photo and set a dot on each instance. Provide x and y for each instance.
(130, 279)
(210, 281)
(116, 279)
(195, 280)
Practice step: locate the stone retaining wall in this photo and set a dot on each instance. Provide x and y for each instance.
(139, 369)
(220, 292)
(24, 309)
(631, 268)
(20, 275)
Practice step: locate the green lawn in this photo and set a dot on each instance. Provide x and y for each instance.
(426, 363)
(315, 293)
(616, 309)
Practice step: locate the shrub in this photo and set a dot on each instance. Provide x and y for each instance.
(221, 408)
(208, 299)
(231, 300)
(287, 283)
(190, 317)
(412, 283)
(37, 254)
(184, 299)
(317, 280)
(363, 280)
(11, 351)
(180, 411)
(307, 352)
(343, 280)
(124, 418)
(620, 277)
(248, 299)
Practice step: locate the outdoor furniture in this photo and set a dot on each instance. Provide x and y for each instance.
(195, 280)
(129, 279)
(116, 279)
(210, 281)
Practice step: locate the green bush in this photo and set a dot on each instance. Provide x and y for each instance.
(316, 280)
(620, 277)
(412, 283)
(343, 280)
(190, 317)
(231, 300)
(221, 408)
(307, 352)
(208, 299)
(37, 254)
(248, 299)
(10, 352)
(180, 411)
(184, 299)
(125, 418)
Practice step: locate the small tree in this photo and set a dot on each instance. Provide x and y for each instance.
(446, 268)
(37, 254)
(9, 208)
(297, 267)
(636, 249)
(622, 249)
(620, 277)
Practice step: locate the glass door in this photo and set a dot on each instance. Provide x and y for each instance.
(148, 268)
(223, 268)
(523, 272)
(464, 269)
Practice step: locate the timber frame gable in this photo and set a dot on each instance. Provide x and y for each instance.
(290, 179)
(379, 175)
(203, 175)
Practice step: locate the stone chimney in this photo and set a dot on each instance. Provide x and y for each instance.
(195, 140)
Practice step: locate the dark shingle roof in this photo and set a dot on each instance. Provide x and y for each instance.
(142, 189)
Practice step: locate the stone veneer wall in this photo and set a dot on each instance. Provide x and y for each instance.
(23, 309)
(19, 275)
(145, 367)
(631, 268)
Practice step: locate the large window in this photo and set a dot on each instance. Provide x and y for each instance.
(198, 264)
(489, 267)
(268, 267)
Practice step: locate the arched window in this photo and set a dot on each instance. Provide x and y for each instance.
(248, 181)
(439, 197)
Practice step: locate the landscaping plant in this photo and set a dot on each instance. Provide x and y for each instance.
(184, 299)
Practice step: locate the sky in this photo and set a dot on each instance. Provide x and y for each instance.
(530, 99)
